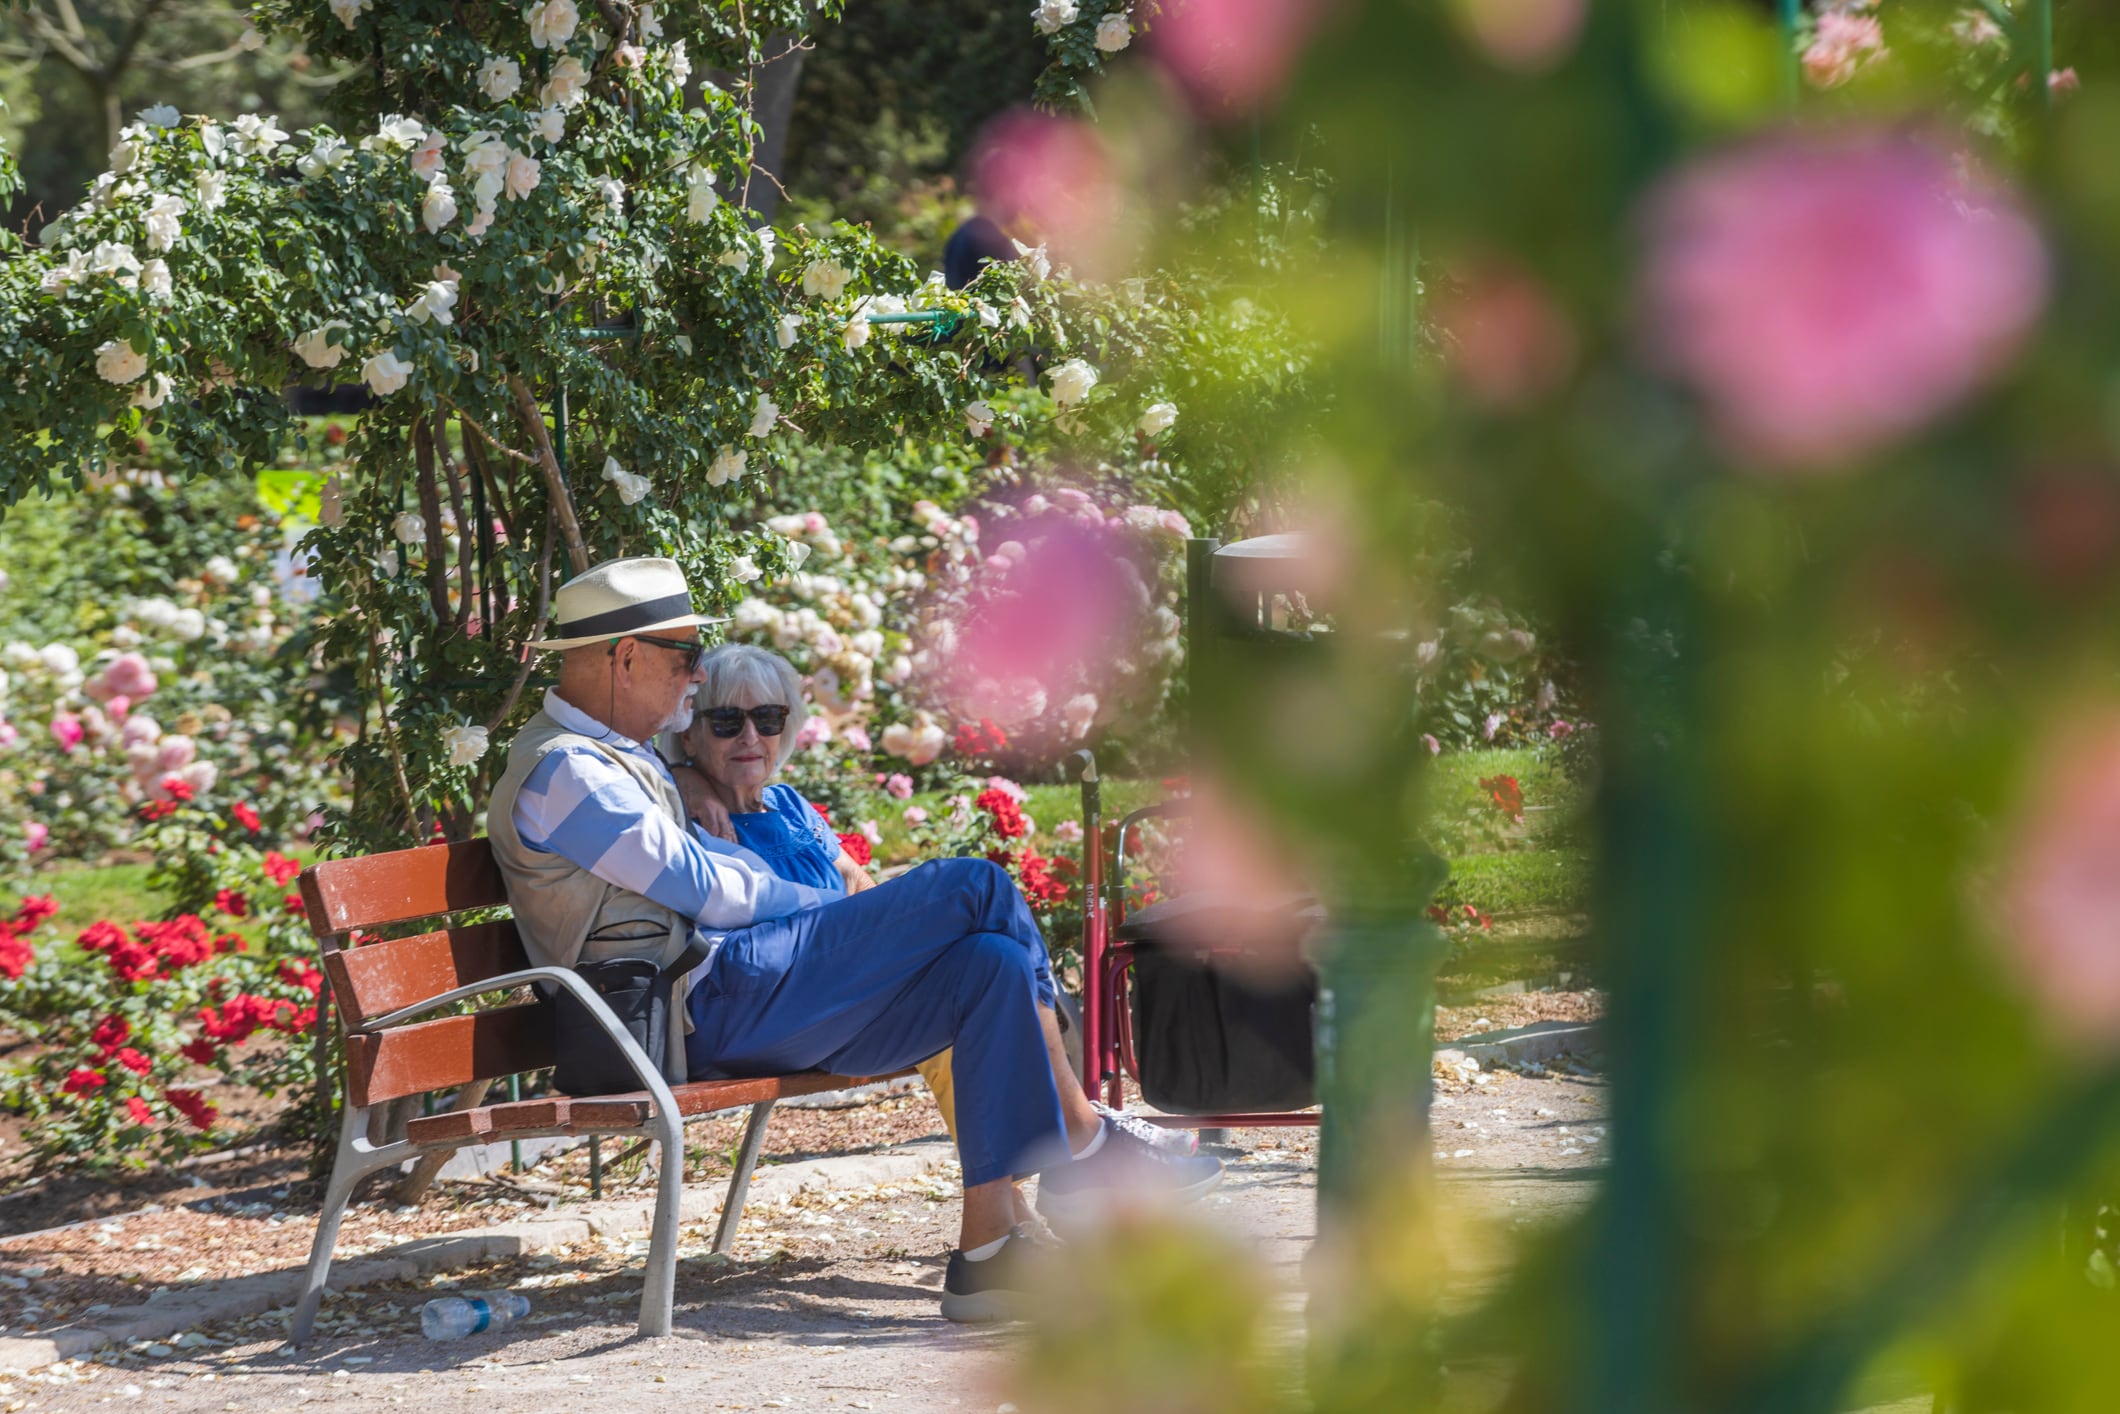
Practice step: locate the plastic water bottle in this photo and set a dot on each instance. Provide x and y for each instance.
(453, 1317)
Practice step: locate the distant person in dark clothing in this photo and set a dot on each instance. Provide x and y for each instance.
(970, 247)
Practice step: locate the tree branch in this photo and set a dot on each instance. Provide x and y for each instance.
(537, 626)
(526, 411)
(466, 571)
(431, 514)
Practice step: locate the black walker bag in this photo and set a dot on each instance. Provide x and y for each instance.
(638, 993)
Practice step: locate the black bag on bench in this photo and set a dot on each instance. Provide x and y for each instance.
(638, 993)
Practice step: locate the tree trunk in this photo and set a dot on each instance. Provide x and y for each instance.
(773, 105)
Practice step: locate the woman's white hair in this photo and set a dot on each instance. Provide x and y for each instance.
(736, 671)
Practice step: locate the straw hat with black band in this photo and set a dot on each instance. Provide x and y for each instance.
(619, 598)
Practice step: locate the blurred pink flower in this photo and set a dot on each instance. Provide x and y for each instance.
(119, 708)
(899, 786)
(1068, 832)
(129, 675)
(66, 727)
(2063, 81)
(856, 737)
(1560, 731)
(1842, 46)
(1828, 295)
(35, 833)
(915, 815)
(815, 729)
(8, 734)
(2061, 887)
(1233, 56)
(1435, 748)
(175, 752)
(1527, 36)
(1051, 178)
(1008, 788)
(1508, 343)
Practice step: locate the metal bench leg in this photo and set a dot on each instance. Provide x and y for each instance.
(754, 1139)
(658, 1294)
(354, 1162)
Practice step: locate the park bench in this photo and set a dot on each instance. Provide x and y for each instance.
(382, 989)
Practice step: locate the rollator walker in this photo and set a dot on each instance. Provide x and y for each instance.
(1165, 1001)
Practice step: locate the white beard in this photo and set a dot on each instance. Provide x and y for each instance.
(677, 721)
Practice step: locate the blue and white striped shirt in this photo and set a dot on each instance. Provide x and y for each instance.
(585, 808)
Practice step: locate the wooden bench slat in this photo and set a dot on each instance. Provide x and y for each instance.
(377, 978)
(512, 1117)
(706, 1096)
(447, 1053)
(373, 890)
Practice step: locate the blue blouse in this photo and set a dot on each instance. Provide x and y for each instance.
(793, 839)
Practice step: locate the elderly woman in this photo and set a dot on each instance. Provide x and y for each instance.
(746, 717)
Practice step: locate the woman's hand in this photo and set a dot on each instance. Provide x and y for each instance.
(702, 804)
(857, 878)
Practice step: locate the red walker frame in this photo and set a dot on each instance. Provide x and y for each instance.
(1107, 1027)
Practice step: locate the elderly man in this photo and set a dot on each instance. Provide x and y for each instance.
(601, 862)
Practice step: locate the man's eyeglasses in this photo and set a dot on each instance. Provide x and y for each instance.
(725, 722)
(692, 649)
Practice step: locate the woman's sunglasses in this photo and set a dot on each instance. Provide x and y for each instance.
(725, 722)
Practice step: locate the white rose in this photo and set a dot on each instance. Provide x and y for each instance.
(426, 159)
(1072, 381)
(114, 260)
(220, 569)
(552, 23)
(325, 155)
(154, 392)
(163, 227)
(410, 527)
(736, 258)
(387, 562)
(187, 624)
(768, 244)
(499, 78)
(680, 62)
(567, 85)
(728, 466)
(385, 373)
(1034, 259)
(1052, 15)
(1114, 33)
(256, 136)
(613, 192)
(764, 415)
(855, 333)
(250, 41)
(523, 174)
(434, 303)
(396, 133)
(162, 115)
(743, 569)
(478, 224)
(549, 124)
(213, 190)
(700, 196)
(319, 348)
(784, 335)
(437, 208)
(60, 278)
(464, 744)
(826, 278)
(631, 486)
(154, 279)
(979, 418)
(349, 11)
(120, 362)
(1158, 418)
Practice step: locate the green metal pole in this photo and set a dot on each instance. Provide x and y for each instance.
(1790, 13)
(2042, 23)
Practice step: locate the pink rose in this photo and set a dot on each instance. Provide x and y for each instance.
(2060, 892)
(815, 729)
(898, 786)
(1827, 295)
(1068, 831)
(1435, 748)
(67, 728)
(175, 753)
(128, 674)
(856, 736)
(36, 832)
(915, 815)
(8, 734)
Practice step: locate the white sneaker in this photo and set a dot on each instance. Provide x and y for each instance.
(1181, 1142)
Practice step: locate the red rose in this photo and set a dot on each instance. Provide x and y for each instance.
(178, 788)
(202, 1051)
(296, 906)
(245, 816)
(193, 1107)
(1008, 815)
(233, 904)
(157, 809)
(230, 942)
(14, 956)
(133, 1061)
(301, 975)
(99, 936)
(110, 1033)
(34, 910)
(1507, 795)
(857, 847)
(137, 1108)
(822, 813)
(279, 868)
(84, 1082)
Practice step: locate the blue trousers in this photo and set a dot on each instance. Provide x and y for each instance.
(945, 955)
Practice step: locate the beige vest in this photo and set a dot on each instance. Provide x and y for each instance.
(557, 903)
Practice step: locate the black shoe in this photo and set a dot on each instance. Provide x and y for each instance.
(992, 1290)
(1124, 1167)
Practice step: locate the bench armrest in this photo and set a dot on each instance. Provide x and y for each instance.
(651, 1076)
